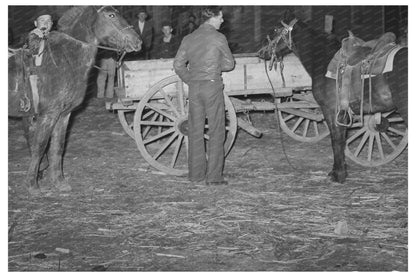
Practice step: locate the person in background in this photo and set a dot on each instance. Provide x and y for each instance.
(201, 58)
(106, 73)
(166, 45)
(36, 45)
(145, 29)
(190, 26)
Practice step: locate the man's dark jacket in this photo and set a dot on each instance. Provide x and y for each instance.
(208, 55)
(146, 35)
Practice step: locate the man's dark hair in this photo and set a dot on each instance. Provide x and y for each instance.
(209, 12)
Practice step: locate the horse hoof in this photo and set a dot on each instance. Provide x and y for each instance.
(337, 176)
(34, 191)
(63, 186)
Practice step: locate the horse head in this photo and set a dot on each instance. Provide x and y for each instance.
(279, 43)
(103, 26)
(112, 29)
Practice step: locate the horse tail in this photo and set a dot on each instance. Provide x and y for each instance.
(398, 82)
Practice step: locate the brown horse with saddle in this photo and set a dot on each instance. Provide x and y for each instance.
(62, 82)
(354, 82)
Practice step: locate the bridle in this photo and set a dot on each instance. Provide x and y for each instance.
(120, 31)
(287, 29)
(286, 36)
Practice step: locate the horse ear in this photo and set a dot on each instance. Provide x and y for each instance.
(288, 15)
(351, 35)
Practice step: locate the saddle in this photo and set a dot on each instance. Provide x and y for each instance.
(21, 98)
(355, 61)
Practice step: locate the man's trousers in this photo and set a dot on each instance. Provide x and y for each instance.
(206, 100)
(105, 78)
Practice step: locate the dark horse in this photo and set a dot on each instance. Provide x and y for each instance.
(62, 81)
(315, 50)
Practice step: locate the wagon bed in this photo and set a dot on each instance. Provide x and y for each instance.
(152, 106)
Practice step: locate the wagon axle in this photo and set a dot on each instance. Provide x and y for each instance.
(182, 125)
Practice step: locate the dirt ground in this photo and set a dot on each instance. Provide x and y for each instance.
(275, 215)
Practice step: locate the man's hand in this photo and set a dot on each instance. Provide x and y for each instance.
(38, 32)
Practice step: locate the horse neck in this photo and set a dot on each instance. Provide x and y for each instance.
(83, 28)
(315, 50)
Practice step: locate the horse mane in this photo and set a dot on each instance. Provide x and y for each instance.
(69, 19)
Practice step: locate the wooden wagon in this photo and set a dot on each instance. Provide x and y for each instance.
(152, 107)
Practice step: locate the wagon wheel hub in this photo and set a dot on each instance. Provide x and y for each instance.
(383, 126)
(377, 123)
(182, 125)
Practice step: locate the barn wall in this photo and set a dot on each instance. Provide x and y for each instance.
(246, 27)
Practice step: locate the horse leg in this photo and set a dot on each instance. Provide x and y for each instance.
(338, 138)
(41, 135)
(56, 151)
(327, 102)
(29, 128)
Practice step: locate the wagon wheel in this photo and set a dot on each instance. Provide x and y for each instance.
(381, 139)
(126, 119)
(161, 126)
(302, 124)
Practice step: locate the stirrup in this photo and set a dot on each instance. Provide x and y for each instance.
(346, 121)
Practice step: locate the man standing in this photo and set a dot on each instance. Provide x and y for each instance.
(106, 73)
(36, 45)
(145, 29)
(207, 54)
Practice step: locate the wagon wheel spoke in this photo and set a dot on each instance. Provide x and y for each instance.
(176, 151)
(395, 120)
(157, 123)
(315, 127)
(386, 137)
(165, 146)
(361, 145)
(397, 132)
(165, 114)
(305, 130)
(380, 146)
(356, 135)
(149, 113)
(159, 136)
(298, 122)
(388, 113)
(289, 117)
(169, 102)
(149, 127)
(161, 119)
(370, 146)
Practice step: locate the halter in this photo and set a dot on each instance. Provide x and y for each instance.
(119, 31)
(272, 44)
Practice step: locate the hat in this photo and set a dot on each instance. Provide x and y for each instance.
(166, 23)
(141, 10)
(44, 16)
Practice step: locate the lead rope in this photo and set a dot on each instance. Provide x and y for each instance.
(274, 95)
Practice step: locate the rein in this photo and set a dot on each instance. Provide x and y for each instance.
(272, 48)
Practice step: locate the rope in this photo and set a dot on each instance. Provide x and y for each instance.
(279, 131)
(272, 47)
